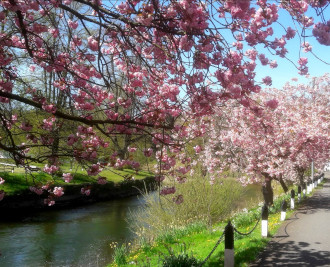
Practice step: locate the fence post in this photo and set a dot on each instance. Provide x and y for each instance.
(283, 208)
(229, 245)
(292, 198)
(315, 181)
(264, 221)
(308, 186)
(299, 193)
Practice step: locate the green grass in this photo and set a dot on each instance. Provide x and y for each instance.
(18, 182)
(199, 240)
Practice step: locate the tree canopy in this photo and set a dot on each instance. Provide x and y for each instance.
(76, 74)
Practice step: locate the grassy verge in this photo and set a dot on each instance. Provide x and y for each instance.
(18, 182)
(195, 241)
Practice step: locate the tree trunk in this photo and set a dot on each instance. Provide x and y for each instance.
(267, 191)
(285, 188)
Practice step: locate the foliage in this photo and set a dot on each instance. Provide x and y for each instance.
(181, 259)
(18, 183)
(203, 202)
(202, 241)
(91, 79)
(120, 254)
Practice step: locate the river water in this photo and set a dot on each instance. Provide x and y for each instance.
(71, 237)
(78, 236)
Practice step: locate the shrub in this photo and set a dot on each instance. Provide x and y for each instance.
(120, 254)
(180, 260)
(203, 202)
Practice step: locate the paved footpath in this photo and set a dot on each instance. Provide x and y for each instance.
(304, 239)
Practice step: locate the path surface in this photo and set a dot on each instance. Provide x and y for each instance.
(304, 239)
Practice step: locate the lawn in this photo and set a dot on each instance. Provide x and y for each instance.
(19, 181)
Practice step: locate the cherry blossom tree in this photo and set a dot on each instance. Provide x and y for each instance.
(133, 68)
(270, 139)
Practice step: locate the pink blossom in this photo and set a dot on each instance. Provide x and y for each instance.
(267, 80)
(73, 24)
(307, 47)
(49, 202)
(131, 149)
(272, 103)
(101, 180)
(322, 32)
(167, 190)
(36, 190)
(85, 191)
(159, 178)
(2, 180)
(197, 149)
(290, 33)
(50, 169)
(49, 108)
(67, 177)
(178, 199)
(58, 191)
(181, 179)
(148, 152)
(94, 170)
(32, 68)
(54, 32)
(93, 43)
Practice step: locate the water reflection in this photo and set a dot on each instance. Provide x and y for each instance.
(72, 237)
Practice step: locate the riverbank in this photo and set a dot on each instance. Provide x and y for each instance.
(197, 241)
(27, 201)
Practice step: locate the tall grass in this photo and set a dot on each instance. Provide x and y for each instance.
(204, 203)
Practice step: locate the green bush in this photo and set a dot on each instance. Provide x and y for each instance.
(120, 254)
(182, 259)
(203, 202)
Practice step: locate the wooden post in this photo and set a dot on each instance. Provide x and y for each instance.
(229, 245)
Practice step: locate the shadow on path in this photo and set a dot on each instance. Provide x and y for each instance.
(296, 254)
(304, 239)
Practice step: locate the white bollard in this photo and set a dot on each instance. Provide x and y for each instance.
(292, 199)
(264, 221)
(299, 197)
(283, 208)
(229, 258)
(264, 228)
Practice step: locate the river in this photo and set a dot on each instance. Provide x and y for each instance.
(71, 237)
(78, 236)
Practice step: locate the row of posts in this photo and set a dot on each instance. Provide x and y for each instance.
(229, 229)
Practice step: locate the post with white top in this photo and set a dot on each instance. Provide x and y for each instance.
(292, 198)
(229, 245)
(283, 210)
(299, 193)
(264, 221)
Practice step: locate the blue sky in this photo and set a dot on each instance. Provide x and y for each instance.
(286, 70)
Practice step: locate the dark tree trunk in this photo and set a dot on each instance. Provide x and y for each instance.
(267, 191)
(285, 188)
